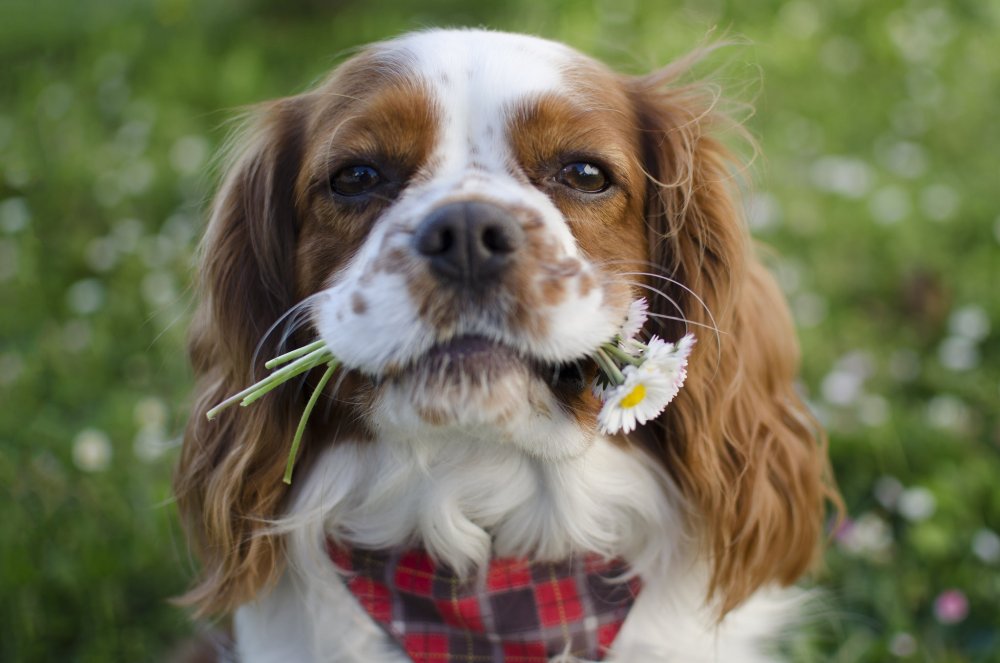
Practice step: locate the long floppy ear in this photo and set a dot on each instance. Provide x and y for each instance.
(228, 480)
(738, 439)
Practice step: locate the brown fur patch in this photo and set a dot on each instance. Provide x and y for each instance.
(358, 303)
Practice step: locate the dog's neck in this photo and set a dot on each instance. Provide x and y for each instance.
(466, 502)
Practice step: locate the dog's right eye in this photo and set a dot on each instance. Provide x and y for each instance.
(582, 176)
(354, 180)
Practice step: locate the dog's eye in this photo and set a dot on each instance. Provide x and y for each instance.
(584, 177)
(354, 180)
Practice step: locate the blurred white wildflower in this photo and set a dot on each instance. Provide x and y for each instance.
(841, 387)
(847, 176)
(158, 288)
(763, 211)
(873, 410)
(157, 250)
(916, 504)
(904, 158)
(101, 254)
(986, 546)
(137, 176)
(939, 202)
(92, 450)
(868, 536)
(85, 296)
(970, 322)
(890, 204)
(150, 412)
(788, 273)
(150, 444)
(127, 233)
(958, 353)
(948, 412)
(76, 335)
(809, 309)
(188, 153)
(887, 491)
(132, 139)
(903, 645)
(14, 215)
(800, 19)
(919, 35)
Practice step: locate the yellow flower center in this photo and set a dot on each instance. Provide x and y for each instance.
(635, 396)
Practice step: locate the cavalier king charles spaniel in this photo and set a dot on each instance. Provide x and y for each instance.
(463, 216)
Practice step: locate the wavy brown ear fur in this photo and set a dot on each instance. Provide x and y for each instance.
(228, 480)
(738, 439)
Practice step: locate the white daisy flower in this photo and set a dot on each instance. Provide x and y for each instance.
(668, 355)
(634, 319)
(640, 398)
(669, 359)
(600, 388)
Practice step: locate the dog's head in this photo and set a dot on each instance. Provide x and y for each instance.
(464, 216)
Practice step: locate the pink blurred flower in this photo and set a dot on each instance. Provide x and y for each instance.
(951, 606)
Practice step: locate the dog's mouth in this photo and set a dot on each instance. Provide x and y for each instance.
(481, 360)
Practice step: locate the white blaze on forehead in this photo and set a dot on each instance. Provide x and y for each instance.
(477, 76)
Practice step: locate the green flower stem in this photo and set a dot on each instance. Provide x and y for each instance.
(291, 370)
(297, 440)
(608, 366)
(621, 355)
(294, 354)
(275, 380)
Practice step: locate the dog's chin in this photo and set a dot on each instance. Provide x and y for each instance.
(481, 389)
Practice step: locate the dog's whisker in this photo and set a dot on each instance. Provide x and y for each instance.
(685, 321)
(295, 310)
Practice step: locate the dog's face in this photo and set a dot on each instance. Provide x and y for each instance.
(464, 216)
(483, 195)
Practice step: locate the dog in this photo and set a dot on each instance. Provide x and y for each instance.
(463, 216)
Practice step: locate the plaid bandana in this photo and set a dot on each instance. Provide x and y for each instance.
(517, 612)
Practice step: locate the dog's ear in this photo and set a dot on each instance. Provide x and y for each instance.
(228, 481)
(738, 439)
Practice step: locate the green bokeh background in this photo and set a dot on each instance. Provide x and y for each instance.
(879, 188)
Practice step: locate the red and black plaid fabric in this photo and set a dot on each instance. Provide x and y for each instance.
(517, 612)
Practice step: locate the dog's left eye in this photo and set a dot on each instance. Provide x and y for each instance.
(583, 176)
(354, 180)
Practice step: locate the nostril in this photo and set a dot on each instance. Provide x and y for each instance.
(498, 240)
(445, 240)
(436, 240)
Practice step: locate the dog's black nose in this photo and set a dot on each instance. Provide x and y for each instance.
(468, 243)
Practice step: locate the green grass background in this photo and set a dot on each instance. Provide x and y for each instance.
(878, 188)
